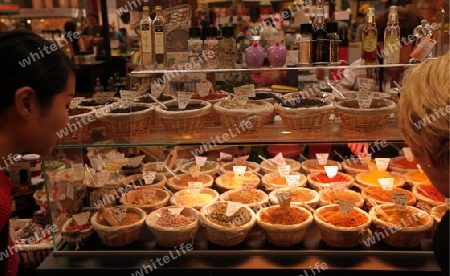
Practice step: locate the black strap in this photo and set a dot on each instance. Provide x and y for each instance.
(4, 237)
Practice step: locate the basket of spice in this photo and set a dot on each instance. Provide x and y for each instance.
(275, 180)
(321, 180)
(186, 198)
(190, 119)
(100, 106)
(371, 178)
(75, 233)
(368, 119)
(411, 224)
(402, 165)
(137, 181)
(118, 226)
(353, 166)
(146, 99)
(181, 182)
(253, 198)
(251, 167)
(172, 226)
(212, 97)
(227, 223)
(378, 195)
(313, 165)
(146, 199)
(284, 226)
(302, 114)
(231, 181)
(331, 196)
(342, 230)
(80, 126)
(416, 177)
(246, 117)
(270, 167)
(428, 194)
(209, 167)
(300, 196)
(160, 167)
(128, 120)
(268, 97)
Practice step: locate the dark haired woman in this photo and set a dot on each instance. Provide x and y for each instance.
(37, 88)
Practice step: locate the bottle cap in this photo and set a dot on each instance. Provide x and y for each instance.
(145, 8)
(227, 31)
(158, 8)
(210, 31)
(305, 28)
(332, 27)
(195, 32)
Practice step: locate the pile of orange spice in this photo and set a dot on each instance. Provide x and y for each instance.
(334, 217)
(283, 216)
(431, 192)
(381, 195)
(418, 176)
(333, 196)
(403, 163)
(323, 178)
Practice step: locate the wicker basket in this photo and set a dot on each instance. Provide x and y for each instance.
(378, 190)
(273, 197)
(119, 236)
(312, 166)
(175, 199)
(127, 125)
(269, 184)
(173, 236)
(145, 99)
(213, 117)
(404, 236)
(413, 182)
(210, 167)
(159, 182)
(243, 119)
(399, 180)
(152, 166)
(425, 199)
(267, 167)
(353, 166)
(99, 106)
(325, 198)
(267, 96)
(320, 186)
(229, 181)
(364, 120)
(79, 128)
(184, 121)
(401, 169)
(130, 197)
(76, 237)
(352, 95)
(305, 119)
(251, 167)
(225, 235)
(254, 205)
(284, 235)
(341, 237)
(181, 183)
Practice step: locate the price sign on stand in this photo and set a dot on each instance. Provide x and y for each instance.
(120, 212)
(284, 170)
(322, 158)
(103, 176)
(408, 154)
(284, 198)
(249, 184)
(400, 200)
(331, 171)
(70, 191)
(127, 95)
(346, 206)
(292, 180)
(225, 156)
(200, 160)
(365, 84)
(148, 195)
(386, 183)
(195, 171)
(382, 163)
(248, 90)
(82, 218)
(241, 96)
(279, 159)
(149, 177)
(203, 88)
(232, 208)
(364, 100)
(241, 160)
(175, 210)
(96, 163)
(183, 99)
(239, 171)
(195, 187)
(338, 186)
(135, 161)
(156, 90)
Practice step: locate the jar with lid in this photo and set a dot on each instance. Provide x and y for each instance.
(227, 49)
(211, 48)
(255, 55)
(304, 44)
(333, 36)
(195, 45)
(34, 161)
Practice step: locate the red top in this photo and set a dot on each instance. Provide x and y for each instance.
(5, 213)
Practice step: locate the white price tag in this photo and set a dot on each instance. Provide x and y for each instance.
(232, 208)
(365, 84)
(346, 206)
(96, 163)
(241, 160)
(195, 187)
(279, 159)
(241, 100)
(81, 218)
(120, 212)
(149, 177)
(331, 171)
(195, 171)
(419, 167)
(408, 154)
(400, 200)
(200, 160)
(135, 161)
(249, 184)
(156, 90)
(148, 195)
(127, 95)
(248, 90)
(70, 191)
(386, 183)
(225, 156)
(183, 99)
(364, 100)
(175, 210)
(284, 199)
(203, 88)
(338, 186)
(284, 170)
(292, 180)
(382, 163)
(103, 176)
(322, 158)
(239, 171)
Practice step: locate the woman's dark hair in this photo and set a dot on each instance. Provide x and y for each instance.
(70, 26)
(26, 59)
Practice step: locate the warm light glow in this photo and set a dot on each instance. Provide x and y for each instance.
(42, 20)
(28, 21)
(285, 132)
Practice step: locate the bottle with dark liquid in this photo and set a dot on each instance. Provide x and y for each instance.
(369, 39)
(320, 42)
(159, 36)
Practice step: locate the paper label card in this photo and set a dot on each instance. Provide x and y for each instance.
(194, 171)
(203, 88)
(183, 99)
(284, 170)
(249, 184)
(81, 218)
(331, 171)
(346, 206)
(241, 99)
(322, 158)
(279, 159)
(386, 183)
(382, 163)
(364, 100)
(156, 90)
(225, 156)
(128, 95)
(120, 212)
(232, 208)
(284, 199)
(239, 171)
(70, 191)
(149, 177)
(175, 210)
(241, 160)
(400, 200)
(292, 180)
(195, 187)
(135, 161)
(248, 90)
(338, 186)
(200, 160)
(419, 167)
(148, 195)
(408, 154)
(103, 176)
(96, 163)
(365, 84)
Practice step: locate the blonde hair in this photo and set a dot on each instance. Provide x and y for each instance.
(423, 112)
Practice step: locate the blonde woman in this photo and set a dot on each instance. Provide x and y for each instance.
(424, 121)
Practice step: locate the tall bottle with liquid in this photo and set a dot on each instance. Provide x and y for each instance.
(145, 27)
(392, 38)
(369, 39)
(320, 41)
(159, 38)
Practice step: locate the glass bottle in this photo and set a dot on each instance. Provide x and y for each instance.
(145, 26)
(333, 36)
(98, 86)
(369, 39)
(321, 43)
(304, 44)
(159, 38)
(195, 45)
(227, 49)
(211, 48)
(392, 38)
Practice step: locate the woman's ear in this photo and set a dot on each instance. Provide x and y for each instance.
(25, 102)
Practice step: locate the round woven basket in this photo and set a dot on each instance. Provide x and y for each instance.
(312, 166)
(79, 128)
(176, 198)
(320, 186)
(210, 167)
(126, 125)
(284, 235)
(266, 96)
(368, 192)
(75, 237)
(352, 95)
(267, 167)
(399, 180)
(305, 119)
(225, 235)
(159, 182)
(119, 236)
(229, 181)
(99, 106)
(422, 198)
(173, 236)
(243, 119)
(328, 197)
(364, 120)
(353, 166)
(252, 167)
(181, 183)
(147, 100)
(341, 237)
(163, 197)
(405, 237)
(269, 183)
(263, 198)
(313, 202)
(152, 166)
(184, 121)
(412, 181)
(213, 117)
(401, 169)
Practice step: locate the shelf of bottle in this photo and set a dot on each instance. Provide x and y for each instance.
(272, 133)
(147, 73)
